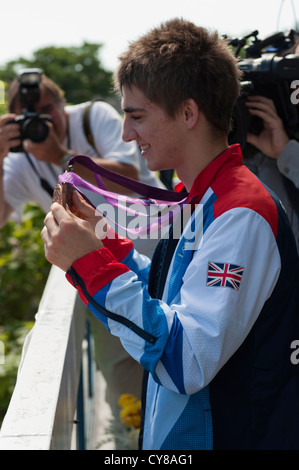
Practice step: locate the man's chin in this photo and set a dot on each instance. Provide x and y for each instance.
(151, 165)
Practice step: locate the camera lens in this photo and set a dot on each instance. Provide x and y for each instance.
(35, 129)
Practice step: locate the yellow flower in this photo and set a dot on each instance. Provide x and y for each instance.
(130, 413)
(125, 399)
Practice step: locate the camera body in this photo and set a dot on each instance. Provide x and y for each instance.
(33, 126)
(267, 70)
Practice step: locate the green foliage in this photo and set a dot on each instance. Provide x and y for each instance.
(77, 70)
(12, 336)
(23, 267)
(23, 274)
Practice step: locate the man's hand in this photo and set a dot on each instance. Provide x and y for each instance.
(85, 211)
(273, 138)
(10, 135)
(67, 237)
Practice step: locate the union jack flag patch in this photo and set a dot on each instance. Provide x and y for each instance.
(224, 275)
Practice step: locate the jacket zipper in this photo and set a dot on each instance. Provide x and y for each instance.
(77, 280)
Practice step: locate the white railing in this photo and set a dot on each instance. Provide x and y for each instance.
(48, 397)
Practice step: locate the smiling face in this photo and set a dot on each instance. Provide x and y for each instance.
(160, 138)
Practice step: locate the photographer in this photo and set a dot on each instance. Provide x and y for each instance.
(277, 163)
(31, 175)
(268, 119)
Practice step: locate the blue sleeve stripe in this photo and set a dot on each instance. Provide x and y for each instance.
(208, 217)
(141, 270)
(154, 320)
(174, 350)
(100, 298)
(128, 259)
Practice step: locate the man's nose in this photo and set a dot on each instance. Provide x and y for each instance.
(129, 132)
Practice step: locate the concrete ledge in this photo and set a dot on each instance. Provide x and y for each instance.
(42, 408)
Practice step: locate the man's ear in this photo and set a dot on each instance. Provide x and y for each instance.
(191, 112)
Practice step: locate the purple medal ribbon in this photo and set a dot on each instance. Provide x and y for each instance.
(163, 204)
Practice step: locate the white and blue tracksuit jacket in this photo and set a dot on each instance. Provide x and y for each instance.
(217, 343)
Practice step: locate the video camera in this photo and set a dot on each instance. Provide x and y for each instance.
(33, 125)
(268, 70)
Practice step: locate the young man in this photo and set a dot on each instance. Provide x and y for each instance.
(212, 325)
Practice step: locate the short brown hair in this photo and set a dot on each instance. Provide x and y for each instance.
(46, 83)
(178, 61)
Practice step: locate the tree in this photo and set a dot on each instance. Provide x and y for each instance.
(77, 70)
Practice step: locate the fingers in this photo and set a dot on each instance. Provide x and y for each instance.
(59, 213)
(6, 118)
(50, 225)
(67, 237)
(273, 138)
(262, 100)
(56, 235)
(44, 235)
(264, 108)
(267, 106)
(9, 134)
(57, 217)
(81, 208)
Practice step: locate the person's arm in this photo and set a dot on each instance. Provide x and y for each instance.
(183, 343)
(288, 162)
(51, 150)
(5, 208)
(9, 137)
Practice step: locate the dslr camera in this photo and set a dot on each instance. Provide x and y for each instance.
(268, 70)
(33, 126)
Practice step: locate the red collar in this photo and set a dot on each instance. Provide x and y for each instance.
(203, 181)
